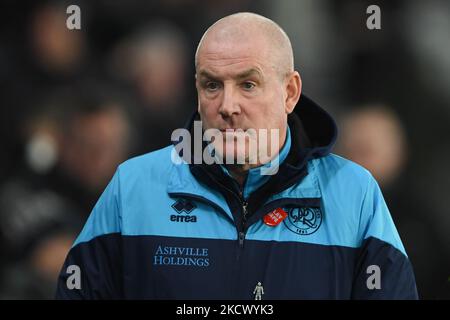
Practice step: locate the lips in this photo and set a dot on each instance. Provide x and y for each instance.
(231, 130)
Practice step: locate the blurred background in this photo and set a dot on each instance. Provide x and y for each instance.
(76, 103)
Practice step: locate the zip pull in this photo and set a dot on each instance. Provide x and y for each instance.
(244, 210)
(241, 238)
(244, 219)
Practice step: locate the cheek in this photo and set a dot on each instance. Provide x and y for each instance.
(208, 110)
(206, 107)
(268, 114)
(272, 101)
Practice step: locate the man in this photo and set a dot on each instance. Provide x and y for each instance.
(315, 227)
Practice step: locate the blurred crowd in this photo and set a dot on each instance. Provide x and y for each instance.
(76, 103)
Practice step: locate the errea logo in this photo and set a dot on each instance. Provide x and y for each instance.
(183, 209)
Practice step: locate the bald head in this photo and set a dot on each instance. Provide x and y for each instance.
(252, 31)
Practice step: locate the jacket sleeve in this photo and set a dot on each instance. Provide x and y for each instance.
(382, 270)
(92, 269)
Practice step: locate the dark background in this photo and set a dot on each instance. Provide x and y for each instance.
(76, 103)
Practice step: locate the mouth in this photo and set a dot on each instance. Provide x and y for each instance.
(231, 130)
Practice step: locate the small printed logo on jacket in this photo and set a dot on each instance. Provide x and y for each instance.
(259, 291)
(183, 209)
(304, 221)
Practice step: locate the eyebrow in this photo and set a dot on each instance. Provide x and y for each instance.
(248, 73)
(242, 75)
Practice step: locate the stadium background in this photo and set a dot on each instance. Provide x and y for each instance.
(74, 104)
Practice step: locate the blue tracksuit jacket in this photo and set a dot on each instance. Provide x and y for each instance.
(167, 231)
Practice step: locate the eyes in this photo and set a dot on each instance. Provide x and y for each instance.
(247, 85)
(213, 86)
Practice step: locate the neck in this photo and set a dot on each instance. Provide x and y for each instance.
(240, 171)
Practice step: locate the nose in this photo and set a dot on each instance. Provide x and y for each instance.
(230, 104)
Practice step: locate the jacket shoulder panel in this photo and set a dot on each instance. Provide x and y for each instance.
(354, 197)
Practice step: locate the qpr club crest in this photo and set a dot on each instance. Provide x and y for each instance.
(304, 221)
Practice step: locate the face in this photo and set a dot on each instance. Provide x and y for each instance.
(97, 144)
(374, 141)
(239, 87)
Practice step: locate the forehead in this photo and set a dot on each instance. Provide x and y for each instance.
(233, 55)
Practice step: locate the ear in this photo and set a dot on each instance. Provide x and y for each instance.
(293, 91)
(198, 95)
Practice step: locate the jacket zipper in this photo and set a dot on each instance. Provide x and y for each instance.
(243, 230)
